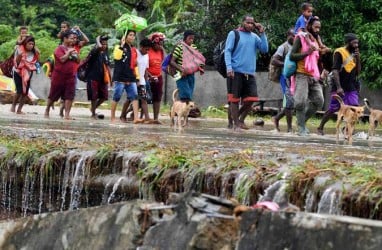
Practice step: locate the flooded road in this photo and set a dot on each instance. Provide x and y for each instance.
(206, 134)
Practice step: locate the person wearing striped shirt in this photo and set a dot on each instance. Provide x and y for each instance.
(186, 83)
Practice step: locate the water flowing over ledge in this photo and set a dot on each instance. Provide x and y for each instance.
(69, 180)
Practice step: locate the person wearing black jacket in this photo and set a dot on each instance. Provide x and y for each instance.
(98, 75)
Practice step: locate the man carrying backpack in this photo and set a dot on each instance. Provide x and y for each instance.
(241, 68)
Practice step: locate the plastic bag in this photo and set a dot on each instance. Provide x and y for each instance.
(130, 22)
(289, 66)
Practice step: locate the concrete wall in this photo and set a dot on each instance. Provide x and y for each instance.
(140, 225)
(210, 90)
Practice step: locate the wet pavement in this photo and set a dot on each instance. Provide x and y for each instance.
(206, 134)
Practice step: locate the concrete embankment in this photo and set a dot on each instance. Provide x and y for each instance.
(190, 222)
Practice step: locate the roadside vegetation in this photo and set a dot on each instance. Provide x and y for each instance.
(212, 19)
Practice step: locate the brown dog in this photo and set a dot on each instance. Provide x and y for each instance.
(375, 117)
(350, 115)
(180, 109)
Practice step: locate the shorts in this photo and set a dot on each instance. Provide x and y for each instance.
(97, 90)
(130, 89)
(157, 89)
(350, 98)
(186, 86)
(242, 86)
(288, 100)
(62, 86)
(283, 84)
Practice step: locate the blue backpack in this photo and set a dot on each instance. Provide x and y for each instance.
(289, 66)
(166, 67)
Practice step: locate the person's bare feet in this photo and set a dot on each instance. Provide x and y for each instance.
(20, 113)
(156, 122)
(276, 123)
(148, 121)
(137, 121)
(13, 109)
(62, 107)
(242, 125)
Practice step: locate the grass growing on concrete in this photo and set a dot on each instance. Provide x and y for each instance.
(193, 163)
(248, 173)
(361, 184)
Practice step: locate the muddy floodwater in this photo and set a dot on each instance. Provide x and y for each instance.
(326, 175)
(209, 134)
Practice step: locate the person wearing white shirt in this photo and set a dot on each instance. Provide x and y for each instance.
(142, 64)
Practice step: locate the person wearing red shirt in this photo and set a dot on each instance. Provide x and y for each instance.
(64, 75)
(156, 56)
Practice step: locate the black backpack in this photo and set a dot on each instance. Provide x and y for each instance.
(218, 55)
(83, 68)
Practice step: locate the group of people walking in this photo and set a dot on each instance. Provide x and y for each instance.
(135, 71)
(138, 72)
(303, 91)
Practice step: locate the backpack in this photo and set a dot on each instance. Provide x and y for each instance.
(289, 66)
(275, 71)
(167, 67)
(83, 68)
(6, 67)
(218, 55)
(166, 64)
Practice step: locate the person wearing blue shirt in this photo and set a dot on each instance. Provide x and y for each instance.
(241, 68)
(307, 13)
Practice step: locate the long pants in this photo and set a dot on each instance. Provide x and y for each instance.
(308, 98)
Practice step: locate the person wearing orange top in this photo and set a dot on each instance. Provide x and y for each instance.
(156, 55)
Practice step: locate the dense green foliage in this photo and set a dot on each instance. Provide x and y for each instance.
(211, 19)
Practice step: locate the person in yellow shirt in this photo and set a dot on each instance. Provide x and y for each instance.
(346, 68)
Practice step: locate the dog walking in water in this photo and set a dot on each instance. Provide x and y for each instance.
(375, 117)
(180, 109)
(350, 115)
